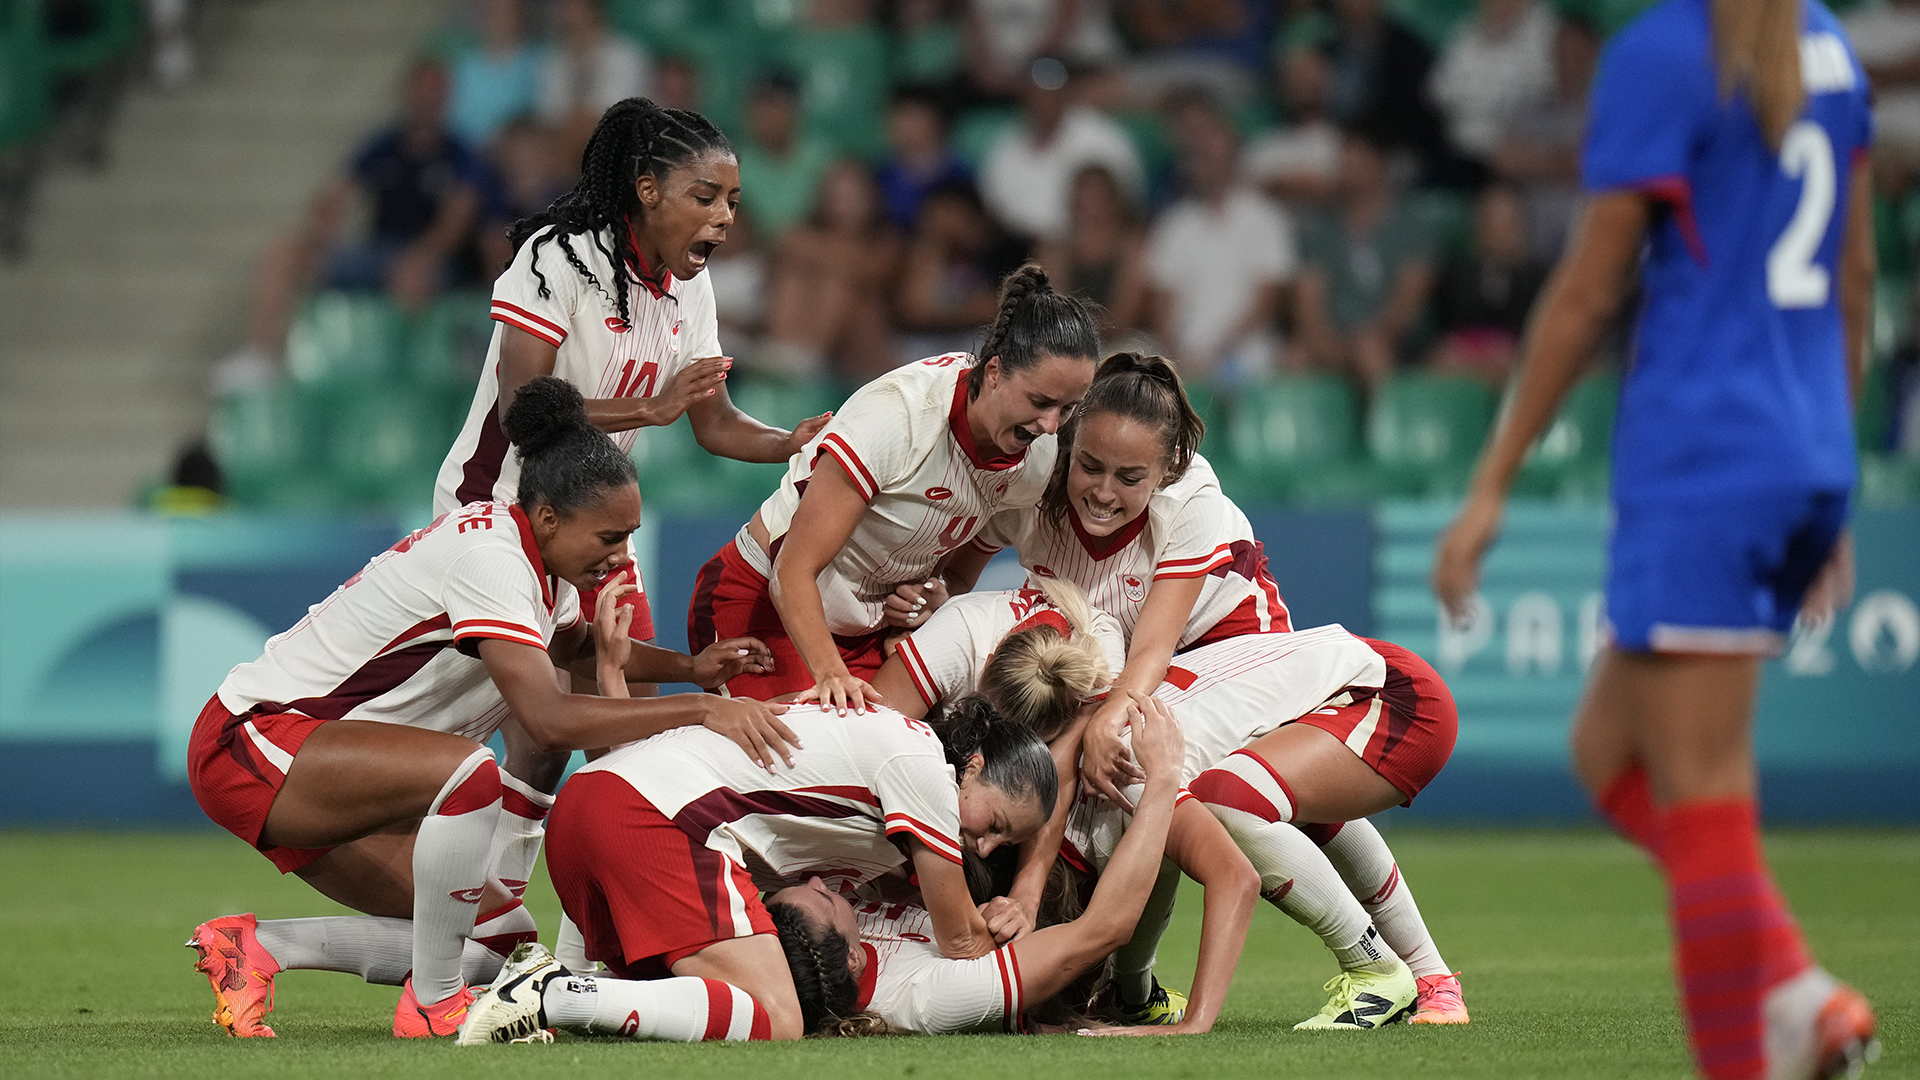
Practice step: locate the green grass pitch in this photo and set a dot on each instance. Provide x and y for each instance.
(1561, 936)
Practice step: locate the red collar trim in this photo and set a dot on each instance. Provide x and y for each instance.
(655, 285)
(963, 431)
(533, 553)
(869, 976)
(1100, 547)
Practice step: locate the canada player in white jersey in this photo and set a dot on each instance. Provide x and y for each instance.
(856, 537)
(350, 752)
(606, 291)
(659, 852)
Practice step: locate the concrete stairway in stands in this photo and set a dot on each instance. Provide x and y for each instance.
(139, 275)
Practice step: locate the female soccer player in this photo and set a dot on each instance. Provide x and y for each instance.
(911, 468)
(1727, 142)
(649, 848)
(351, 752)
(606, 292)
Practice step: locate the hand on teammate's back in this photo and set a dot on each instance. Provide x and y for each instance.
(1106, 765)
(689, 386)
(914, 602)
(722, 660)
(755, 725)
(804, 431)
(840, 691)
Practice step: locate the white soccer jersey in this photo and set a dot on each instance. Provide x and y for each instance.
(946, 657)
(600, 355)
(858, 782)
(398, 643)
(1226, 695)
(904, 440)
(915, 989)
(1191, 529)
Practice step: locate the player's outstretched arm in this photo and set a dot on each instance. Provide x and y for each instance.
(1581, 298)
(958, 927)
(723, 430)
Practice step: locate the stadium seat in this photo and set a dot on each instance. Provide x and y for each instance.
(346, 335)
(1570, 461)
(260, 437)
(663, 26)
(382, 442)
(1423, 432)
(843, 85)
(1295, 437)
(675, 473)
(976, 130)
(782, 404)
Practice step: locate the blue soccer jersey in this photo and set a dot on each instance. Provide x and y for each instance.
(1737, 381)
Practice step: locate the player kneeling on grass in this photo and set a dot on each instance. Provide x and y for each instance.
(351, 752)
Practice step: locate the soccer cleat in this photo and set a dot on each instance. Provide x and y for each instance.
(1162, 1007)
(1818, 1028)
(1364, 1000)
(510, 1010)
(1439, 1000)
(241, 972)
(412, 1020)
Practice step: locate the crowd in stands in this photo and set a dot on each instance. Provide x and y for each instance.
(1253, 187)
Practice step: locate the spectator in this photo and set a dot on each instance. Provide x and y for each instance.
(1886, 37)
(1005, 37)
(1299, 162)
(528, 175)
(1218, 260)
(1380, 71)
(1497, 66)
(497, 80)
(919, 157)
(1103, 255)
(950, 278)
(1482, 299)
(1215, 46)
(929, 49)
(738, 270)
(780, 166)
(584, 72)
(1368, 272)
(1541, 147)
(676, 84)
(826, 308)
(1029, 168)
(420, 187)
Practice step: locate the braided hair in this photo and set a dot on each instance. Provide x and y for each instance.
(1141, 388)
(565, 461)
(1034, 320)
(634, 138)
(817, 960)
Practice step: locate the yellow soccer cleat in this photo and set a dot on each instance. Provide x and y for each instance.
(241, 972)
(1162, 1008)
(1364, 1000)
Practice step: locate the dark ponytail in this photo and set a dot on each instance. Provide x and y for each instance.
(1013, 758)
(565, 461)
(1034, 320)
(817, 960)
(1141, 388)
(634, 138)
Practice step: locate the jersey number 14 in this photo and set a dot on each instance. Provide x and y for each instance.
(1794, 280)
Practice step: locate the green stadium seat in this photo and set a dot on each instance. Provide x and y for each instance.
(675, 473)
(843, 85)
(664, 26)
(975, 131)
(1424, 431)
(115, 30)
(1295, 437)
(780, 403)
(26, 102)
(261, 438)
(1889, 480)
(383, 442)
(1570, 460)
(346, 335)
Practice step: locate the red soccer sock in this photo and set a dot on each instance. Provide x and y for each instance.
(1627, 804)
(1734, 939)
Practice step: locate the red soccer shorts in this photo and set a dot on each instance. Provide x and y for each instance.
(732, 599)
(644, 894)
(1404, 730)
(235, 766)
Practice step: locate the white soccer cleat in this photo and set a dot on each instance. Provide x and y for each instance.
(1818, 1028)
(510, 1010)
(1364, 1000)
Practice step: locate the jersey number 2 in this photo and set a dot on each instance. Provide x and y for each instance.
(1794, 280)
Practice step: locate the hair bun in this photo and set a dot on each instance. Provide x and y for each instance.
(544, 411)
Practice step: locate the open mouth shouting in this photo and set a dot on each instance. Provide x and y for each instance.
(700, 252)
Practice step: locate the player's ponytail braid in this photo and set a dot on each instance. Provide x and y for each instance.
(634, 138)
(817, 960)
(1033, 321)
(1143, 388)
(1012, 757)
(1039, 676)
(565, 461)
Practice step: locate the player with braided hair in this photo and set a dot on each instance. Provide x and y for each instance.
(854, 543)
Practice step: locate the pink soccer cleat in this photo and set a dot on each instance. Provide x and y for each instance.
(241, 972)
(412, 1020)
(1439, 1000)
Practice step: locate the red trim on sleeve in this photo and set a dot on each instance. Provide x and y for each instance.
(1677, 194)
(499, 635)
(939, 843)
(545, 329)
(1195, 567)
(850, 461)
(915, 664)
(425, 626)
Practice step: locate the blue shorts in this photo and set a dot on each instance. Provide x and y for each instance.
(1721, 576)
